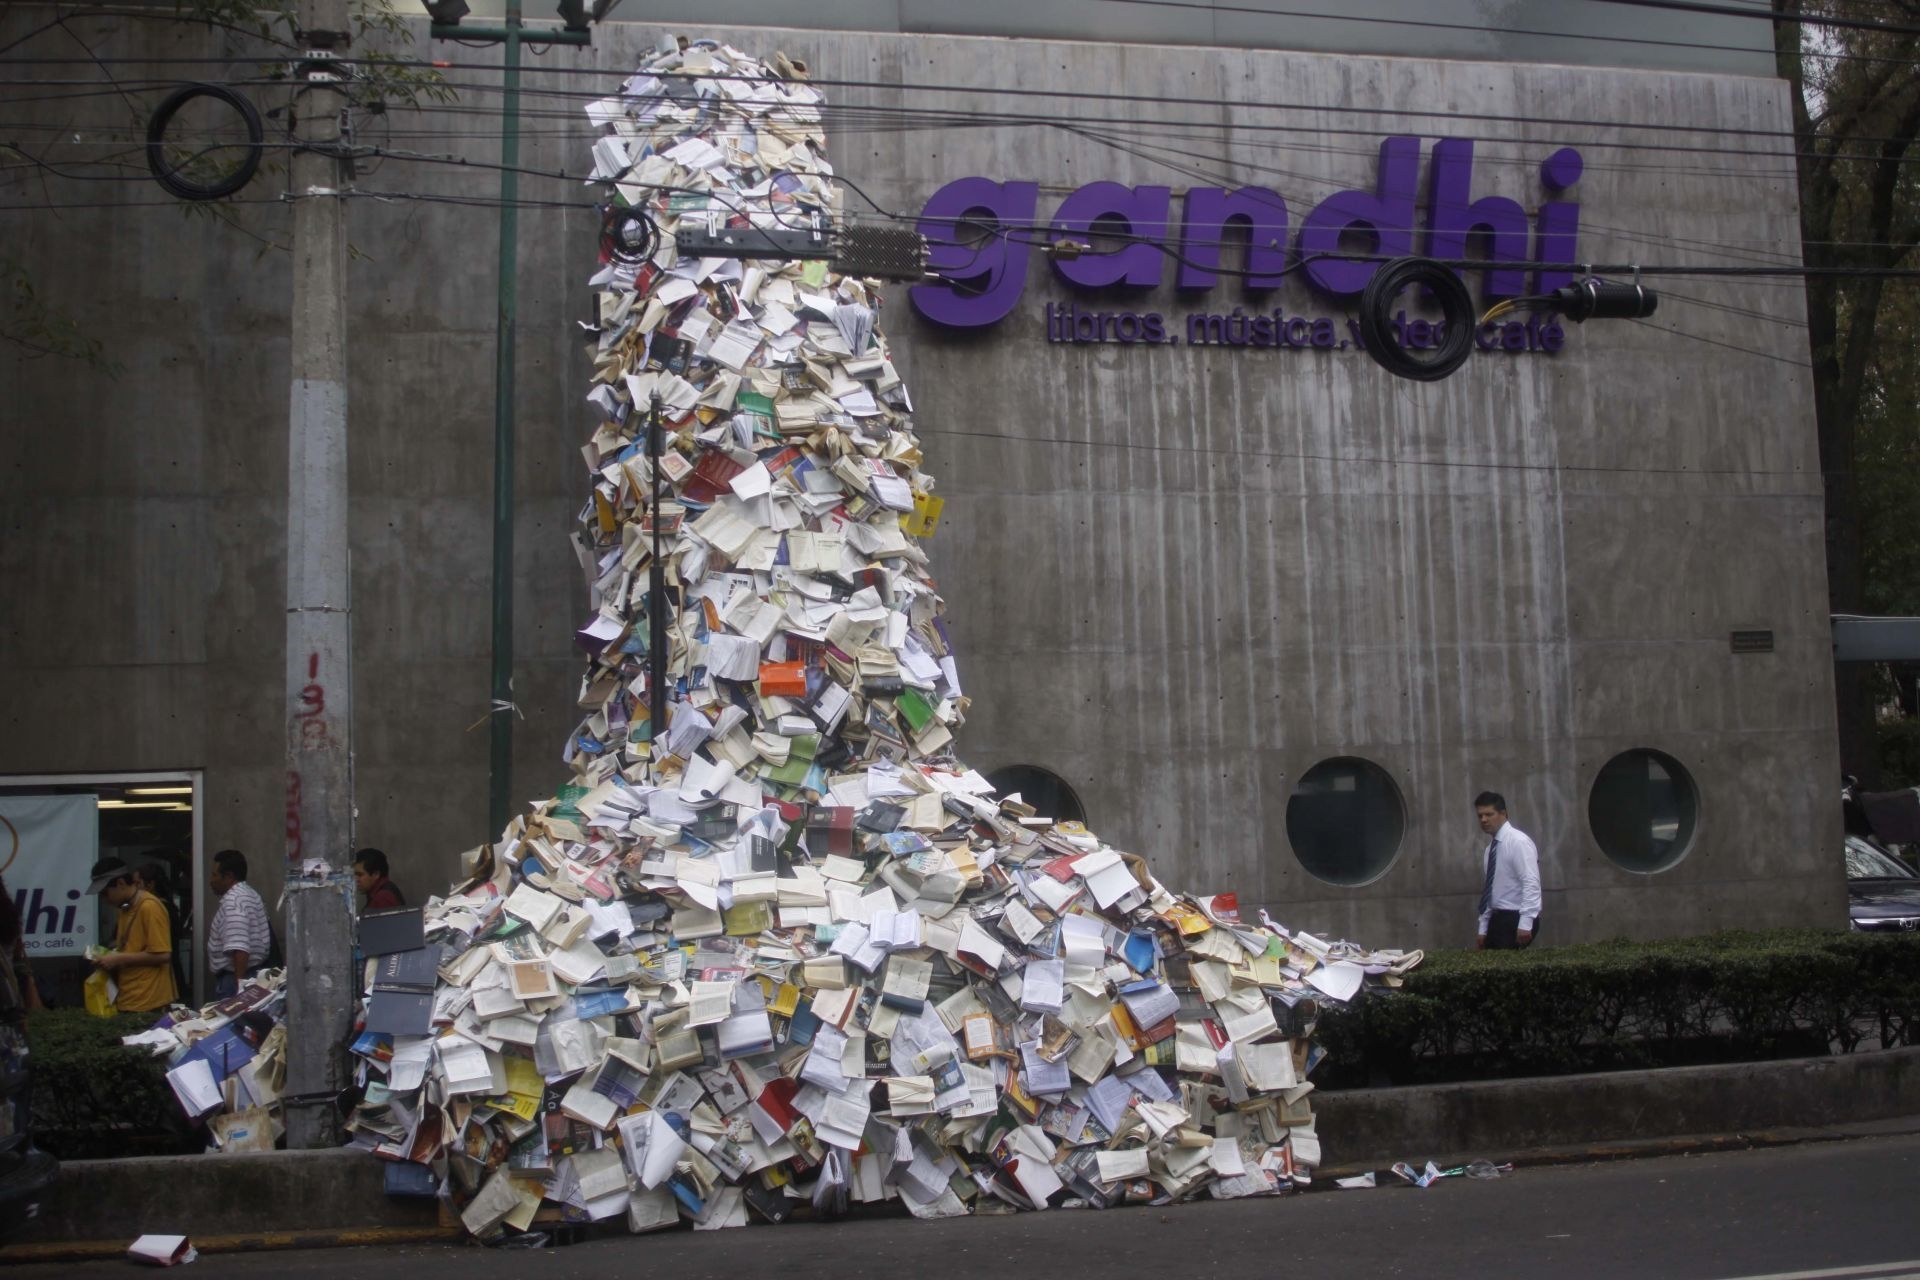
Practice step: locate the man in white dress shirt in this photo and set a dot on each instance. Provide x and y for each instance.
(1510, 890)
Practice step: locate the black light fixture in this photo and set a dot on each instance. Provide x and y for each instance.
(573, 14)
(1589, 298)
(447, 13)
(850, 248)
(1596, 299)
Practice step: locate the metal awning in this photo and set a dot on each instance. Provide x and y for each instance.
(1857, 638)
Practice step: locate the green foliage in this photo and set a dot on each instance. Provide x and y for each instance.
(380, 34)
(94, 1097)
(1899, 742)
(1856, 118)
(1727, 997)
(29, 322)
(381, 37)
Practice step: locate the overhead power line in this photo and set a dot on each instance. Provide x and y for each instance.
(1801, 19)
(992, 91)
(1202, 6)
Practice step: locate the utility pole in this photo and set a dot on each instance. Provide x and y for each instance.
(510, 35)
(319, 706)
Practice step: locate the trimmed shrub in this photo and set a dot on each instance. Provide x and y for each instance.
(1726, 997)
(94, 1097)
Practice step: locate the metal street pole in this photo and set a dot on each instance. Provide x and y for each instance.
(319, 707)
(656, 599)
(500, 738)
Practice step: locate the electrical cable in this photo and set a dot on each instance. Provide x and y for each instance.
(156, 16)
(1771, 15)
(1220, 179)
(1784, 271)
(986, 91)
(1377, 20)
(878, 113)
(1455, 345)
(982, 91)
(1786, 275)
(1310, 15)
(629, 235)
(171, 175)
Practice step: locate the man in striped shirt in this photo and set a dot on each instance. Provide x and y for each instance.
(239, 937)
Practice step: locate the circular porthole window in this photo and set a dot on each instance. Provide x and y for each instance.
(1044, 789)
(1345, 820)
(1642, 810)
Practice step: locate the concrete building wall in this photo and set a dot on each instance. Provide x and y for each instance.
(1179, 576)
(1580, 32)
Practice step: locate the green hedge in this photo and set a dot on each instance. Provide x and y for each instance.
(94, 1097)
(1726, 997)
(1462, 1015)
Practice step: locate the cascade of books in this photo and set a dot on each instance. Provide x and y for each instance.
(785, 951)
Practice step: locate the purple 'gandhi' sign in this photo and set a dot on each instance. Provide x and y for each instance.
(983, 281)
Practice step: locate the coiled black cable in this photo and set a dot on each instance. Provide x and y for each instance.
(169, 176)
(1456, 331)
(628, 234)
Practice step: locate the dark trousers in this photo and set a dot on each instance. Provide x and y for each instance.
(228, 983)
(1503, 928)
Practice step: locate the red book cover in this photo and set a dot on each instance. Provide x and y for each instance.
(1157, 1032)
(710, 476)
(777, 1101)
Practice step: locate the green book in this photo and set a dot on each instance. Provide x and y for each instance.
(913, 705)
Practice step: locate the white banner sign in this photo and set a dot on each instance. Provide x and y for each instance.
(48, 844)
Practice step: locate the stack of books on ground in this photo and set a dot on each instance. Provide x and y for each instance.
(981, 1011)
(227, 1063)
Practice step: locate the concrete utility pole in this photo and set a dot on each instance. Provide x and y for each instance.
(319, 708)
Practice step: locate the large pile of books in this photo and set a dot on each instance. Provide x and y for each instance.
(785, 948)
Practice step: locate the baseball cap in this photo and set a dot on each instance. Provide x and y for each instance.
(106, 871)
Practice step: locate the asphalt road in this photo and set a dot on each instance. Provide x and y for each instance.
(1840, 1209)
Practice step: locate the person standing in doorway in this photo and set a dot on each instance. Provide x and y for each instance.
(1510, 892)
(370, 877)
(140, 962)
(239, 937)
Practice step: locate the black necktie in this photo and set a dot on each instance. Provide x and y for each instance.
(1486, 888)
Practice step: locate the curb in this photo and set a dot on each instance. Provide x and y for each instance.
(217, 1199)
(1539, 1157)
(1647, 1148)
(1536, 1158)
(97, 1250)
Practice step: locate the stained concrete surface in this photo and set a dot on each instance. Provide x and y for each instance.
(1765, 1212)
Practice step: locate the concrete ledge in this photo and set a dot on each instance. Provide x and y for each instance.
(283, 1198)
(1371, 1128)
(312, 1198)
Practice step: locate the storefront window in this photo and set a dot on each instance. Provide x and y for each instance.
(1345, 821)
(1045, 790)
(1642, 810)
(54, 827)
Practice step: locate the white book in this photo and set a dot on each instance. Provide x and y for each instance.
(588, 1107)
